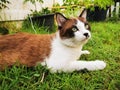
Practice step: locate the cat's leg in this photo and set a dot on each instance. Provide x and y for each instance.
(77, 66)
(85, 52)
(89, 65)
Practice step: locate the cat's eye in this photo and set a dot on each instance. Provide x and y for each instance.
(86, 26)
(74, 29)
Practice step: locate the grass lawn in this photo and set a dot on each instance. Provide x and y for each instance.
(104, 45)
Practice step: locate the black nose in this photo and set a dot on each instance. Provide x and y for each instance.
(86, 34)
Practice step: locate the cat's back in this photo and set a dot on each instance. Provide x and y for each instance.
(15, 41)
(28, 49)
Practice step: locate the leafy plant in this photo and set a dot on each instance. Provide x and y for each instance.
(71, 2)
(35, 12)
(89, 3)
(71, 7)
(56, 8)
(103, 4)
(42, 12)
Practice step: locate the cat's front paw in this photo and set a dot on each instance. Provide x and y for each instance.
(97, 65)
(100, 64)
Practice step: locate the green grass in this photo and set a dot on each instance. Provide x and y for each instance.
(104, 45)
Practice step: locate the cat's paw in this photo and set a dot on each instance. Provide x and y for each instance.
(97, 65)
(100, 64)
(85, 52)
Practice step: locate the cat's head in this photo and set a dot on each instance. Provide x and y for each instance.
(73, 31)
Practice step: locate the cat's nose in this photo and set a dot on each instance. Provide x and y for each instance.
(86, 35)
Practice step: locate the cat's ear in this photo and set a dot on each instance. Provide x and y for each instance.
(83, 14)
(61, 19)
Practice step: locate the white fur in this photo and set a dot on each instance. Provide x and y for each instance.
(66, 52)
(79, 35)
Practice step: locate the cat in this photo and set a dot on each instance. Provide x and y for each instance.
(59, 51)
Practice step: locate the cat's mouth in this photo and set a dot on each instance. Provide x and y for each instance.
(85, 39)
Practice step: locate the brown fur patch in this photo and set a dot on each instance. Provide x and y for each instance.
(65, 31)
(26, 49)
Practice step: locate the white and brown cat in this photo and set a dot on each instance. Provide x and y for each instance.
(59, 51)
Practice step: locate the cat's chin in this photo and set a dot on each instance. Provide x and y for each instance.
(73, 43)
(85, 40)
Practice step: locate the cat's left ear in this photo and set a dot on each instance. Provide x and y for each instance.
(84, 14)
(61, 19)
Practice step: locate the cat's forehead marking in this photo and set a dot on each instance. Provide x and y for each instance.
(74, 22)
(79, 23)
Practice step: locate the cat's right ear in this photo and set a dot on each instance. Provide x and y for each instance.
(61, 19)
(84, 14)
